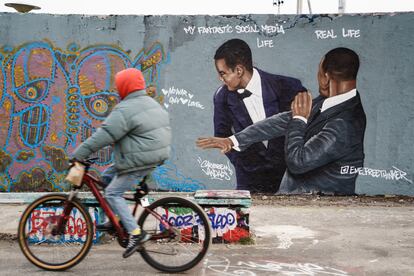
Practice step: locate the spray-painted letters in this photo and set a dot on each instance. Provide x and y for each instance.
(180, 96)
(214, 170)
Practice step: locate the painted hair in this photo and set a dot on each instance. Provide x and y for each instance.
(341, 63)
(234, 52)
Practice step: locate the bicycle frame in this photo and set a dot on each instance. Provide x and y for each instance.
(170, 239)
(91, 181)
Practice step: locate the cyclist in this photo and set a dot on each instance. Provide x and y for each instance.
(139, 129)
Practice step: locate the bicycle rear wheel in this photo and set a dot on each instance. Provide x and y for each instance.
(38, 237)
(184, 245)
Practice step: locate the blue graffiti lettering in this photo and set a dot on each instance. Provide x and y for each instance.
(180, 221)
(221, 221)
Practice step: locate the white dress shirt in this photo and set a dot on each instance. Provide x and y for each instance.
(332, 101)
(254, 103)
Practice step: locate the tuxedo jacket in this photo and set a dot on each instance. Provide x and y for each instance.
(231, 116)
(321, 153)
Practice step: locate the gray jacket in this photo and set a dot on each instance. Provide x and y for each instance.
(140, 130)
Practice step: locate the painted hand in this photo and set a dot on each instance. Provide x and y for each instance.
(224, 144)
(302, 105)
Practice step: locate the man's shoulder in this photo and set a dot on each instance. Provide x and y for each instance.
(264, 74)
(221, 92)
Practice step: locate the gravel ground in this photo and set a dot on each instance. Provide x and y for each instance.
(317, 200)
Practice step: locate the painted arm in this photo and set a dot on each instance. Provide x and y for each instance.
(332, 143)
(269, 128)
(222, 121)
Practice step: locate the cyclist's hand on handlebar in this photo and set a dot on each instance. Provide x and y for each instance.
(87, 162)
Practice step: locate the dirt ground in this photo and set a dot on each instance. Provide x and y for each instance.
(318, 200)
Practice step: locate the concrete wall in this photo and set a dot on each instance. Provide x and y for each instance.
(56, 86)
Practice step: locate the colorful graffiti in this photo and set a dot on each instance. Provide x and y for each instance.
(75, 231)
(51, 100)
(228, 225)
(185, 220)
(169, 178)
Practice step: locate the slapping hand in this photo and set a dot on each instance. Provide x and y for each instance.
(302, 104)
(224, 144)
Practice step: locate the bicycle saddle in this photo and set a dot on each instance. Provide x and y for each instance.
(140, 192)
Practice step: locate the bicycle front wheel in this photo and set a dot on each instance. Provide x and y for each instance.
(42, 243)
(180, 233)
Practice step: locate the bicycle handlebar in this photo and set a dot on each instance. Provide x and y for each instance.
(87, 162)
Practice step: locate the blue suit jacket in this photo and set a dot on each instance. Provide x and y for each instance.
(231, 116)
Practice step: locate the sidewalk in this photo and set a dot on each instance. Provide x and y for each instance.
(306, 235)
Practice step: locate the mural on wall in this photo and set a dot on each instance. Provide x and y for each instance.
(258, 109)
(323, 156)
(52, 100)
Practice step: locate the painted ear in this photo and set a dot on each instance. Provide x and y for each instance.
(327, 79)
(325, 82)
(239, 70)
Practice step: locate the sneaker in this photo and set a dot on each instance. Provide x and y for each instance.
(135, 241)
(107, 226)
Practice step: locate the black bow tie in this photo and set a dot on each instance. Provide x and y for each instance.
(246, 93)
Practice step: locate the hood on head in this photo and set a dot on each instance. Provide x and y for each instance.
(129, 80)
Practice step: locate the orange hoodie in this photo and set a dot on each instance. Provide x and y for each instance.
(129, 80)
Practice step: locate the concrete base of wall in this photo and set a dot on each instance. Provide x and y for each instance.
(228, 211)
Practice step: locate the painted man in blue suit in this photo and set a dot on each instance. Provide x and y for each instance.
(250, 95)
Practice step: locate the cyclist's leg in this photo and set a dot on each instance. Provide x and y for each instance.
(114, 193)
(108, 174)
(106, 177)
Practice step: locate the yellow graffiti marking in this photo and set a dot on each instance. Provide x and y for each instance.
(53, 137)
(7, 106)
(87, 86)
(152, 60)
(18, 76)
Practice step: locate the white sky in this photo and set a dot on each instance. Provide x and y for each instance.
(212, 7)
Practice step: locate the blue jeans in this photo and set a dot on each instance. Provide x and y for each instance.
(118, 184)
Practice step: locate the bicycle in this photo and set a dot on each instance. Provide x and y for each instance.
(180, 229)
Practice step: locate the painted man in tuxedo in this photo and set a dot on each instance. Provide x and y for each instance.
(250, 95)
(324, 137)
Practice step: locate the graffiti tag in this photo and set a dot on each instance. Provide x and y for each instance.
(393, 174)
(329, 34)
(214, 170)
(224, 267)
(222, 220)
(180, 96)
(239, 29)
